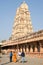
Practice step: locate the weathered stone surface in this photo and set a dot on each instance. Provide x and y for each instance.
(22, 23)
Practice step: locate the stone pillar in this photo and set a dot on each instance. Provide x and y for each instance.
(21, 48)
(31, 49)
(24, 48)
(35, 49)
(41, 47)
(27, 49)
(17, 48)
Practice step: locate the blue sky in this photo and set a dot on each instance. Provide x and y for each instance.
(8, 11)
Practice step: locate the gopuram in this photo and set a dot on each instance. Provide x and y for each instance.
(23, 37)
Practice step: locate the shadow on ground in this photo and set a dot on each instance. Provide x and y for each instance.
(23, 62)
(5, 63)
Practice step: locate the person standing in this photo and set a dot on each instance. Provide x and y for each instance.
(14, 58)
(19, 53)
(23, 56)
(11, 56)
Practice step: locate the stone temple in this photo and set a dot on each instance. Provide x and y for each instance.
(22, 24)
(23, 37)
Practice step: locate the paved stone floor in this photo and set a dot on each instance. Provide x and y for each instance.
(4, 60)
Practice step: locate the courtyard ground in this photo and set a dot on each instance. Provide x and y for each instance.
(4, 60)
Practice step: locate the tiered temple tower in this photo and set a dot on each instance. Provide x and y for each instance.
(22, 25)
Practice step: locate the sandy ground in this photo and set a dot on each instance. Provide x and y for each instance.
(4, 60)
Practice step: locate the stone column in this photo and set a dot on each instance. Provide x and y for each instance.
(21, 48)
(41, 47)
(17, 48)
(31, 49)
(27, 49)
(24, 48)
(35, 49)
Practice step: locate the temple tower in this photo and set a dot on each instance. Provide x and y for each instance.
(22, 25)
